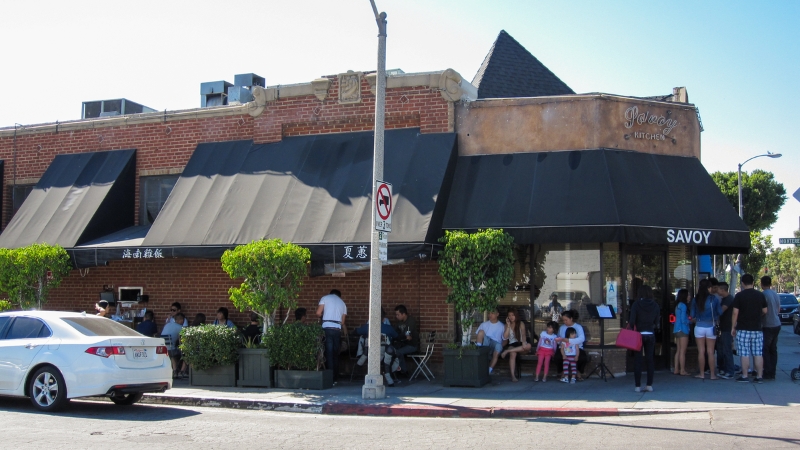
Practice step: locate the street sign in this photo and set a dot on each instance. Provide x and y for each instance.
(794, 241)
(383, 206)
(383, 246)
(796, 195)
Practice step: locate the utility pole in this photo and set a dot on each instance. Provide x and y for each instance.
(373, 383)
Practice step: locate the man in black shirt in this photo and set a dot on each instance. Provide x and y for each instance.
(748, 307)
(725, 341)
(408, 335)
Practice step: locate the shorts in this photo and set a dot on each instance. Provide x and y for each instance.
(704, 332)
(749, 343)
(680, 334)
(513, 345)
(494, 345)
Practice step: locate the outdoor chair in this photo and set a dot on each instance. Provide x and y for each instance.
(421, 359)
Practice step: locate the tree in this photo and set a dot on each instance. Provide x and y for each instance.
(273, 273)
(4, 305)
(762, 196)
(477, 268)
(760, 246)
(27, 274)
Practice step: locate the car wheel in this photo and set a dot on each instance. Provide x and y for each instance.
(47, 389)
(127, 399)
(796, 374)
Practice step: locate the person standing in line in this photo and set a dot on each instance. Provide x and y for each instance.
(748, 307)
(333, 313)
(725, 341)
(705, 311)
(645, 317)
(407, 336)
(681, 332)
(771, 325)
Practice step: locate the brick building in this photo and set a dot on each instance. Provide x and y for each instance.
(588, 184)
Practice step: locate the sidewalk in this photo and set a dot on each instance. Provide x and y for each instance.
(502, 398)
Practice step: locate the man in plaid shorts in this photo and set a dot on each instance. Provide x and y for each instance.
(748, 307)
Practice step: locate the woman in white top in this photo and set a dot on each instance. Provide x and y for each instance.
(570, 319)
(517, 339)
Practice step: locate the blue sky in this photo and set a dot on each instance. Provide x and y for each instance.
(740, 61)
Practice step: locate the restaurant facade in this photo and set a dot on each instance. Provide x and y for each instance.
(602, 193)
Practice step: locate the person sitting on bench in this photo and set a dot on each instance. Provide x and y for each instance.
(516, 336)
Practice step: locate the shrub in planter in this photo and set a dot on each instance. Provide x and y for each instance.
(295, 346)
(207, 346)
(296, 350)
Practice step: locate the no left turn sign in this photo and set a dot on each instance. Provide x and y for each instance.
(383, 206)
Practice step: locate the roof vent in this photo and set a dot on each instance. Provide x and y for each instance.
(213, 93)
(114, 107)
(241, 91)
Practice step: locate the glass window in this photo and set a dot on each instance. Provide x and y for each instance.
(26, 328)
(155, 191)
(20, 193)
(3, 323)
(99, 326)
(567, 276)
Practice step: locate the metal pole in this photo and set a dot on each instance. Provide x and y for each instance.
(741, 213)
(373, 383)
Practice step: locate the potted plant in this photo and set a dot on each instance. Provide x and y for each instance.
(211, 351)
(478, 269)
(255, 366)
(272, 272)
(296, 350)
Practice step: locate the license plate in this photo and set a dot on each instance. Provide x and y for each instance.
(784, 316)
(140, 353)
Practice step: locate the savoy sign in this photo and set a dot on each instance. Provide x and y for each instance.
(635, 117)
(688, 236)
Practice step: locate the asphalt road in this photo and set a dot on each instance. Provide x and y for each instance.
(103, 425)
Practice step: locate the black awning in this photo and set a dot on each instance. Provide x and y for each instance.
(314, 191)
(79, 198)
(595, 196)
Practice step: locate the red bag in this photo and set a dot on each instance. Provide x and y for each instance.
(630, 339)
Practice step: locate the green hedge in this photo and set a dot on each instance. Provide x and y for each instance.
(207, 346)
(294, 346)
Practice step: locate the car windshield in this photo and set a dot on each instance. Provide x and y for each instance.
(97, 326)
(788, 300)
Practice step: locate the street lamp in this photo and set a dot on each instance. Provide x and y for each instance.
(768, 154)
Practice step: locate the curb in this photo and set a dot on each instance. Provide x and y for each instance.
(405, 409)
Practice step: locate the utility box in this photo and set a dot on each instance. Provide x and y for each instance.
(248, 80)
(214, 93)
(113, 107)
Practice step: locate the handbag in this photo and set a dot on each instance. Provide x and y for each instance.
(717, 331)
(629, 339)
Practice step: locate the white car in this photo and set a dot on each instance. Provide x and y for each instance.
(53, 356)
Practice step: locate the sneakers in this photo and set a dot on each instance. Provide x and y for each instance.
(724, 375)
(573, 381)
(758, 380)
(544, 380)
(491, 369)
(637, 389)
(648, 388)
(564, 380)
(743, 380)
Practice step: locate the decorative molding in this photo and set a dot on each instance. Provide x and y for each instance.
(372, 80)
(350, 87)
(320, 87)
(156, 172)
(260, 98)
(20, 181)
(450, 85)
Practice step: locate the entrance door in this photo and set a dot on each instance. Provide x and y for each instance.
(648, 267)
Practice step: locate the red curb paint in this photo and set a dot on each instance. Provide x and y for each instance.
(406, 410)
(510, 412)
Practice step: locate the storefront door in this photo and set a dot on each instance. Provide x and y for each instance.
(648, 267)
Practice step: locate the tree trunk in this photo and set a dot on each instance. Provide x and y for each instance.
(466, 330)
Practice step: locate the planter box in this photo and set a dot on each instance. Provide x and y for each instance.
(215, 376)
(254, 368)
(466, 367)
(304, 379)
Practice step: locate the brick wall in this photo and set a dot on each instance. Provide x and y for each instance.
(169, 144)
(201, 286)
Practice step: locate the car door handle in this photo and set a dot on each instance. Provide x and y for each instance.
(31, 346)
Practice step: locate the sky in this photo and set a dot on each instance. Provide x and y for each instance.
(740, 61)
